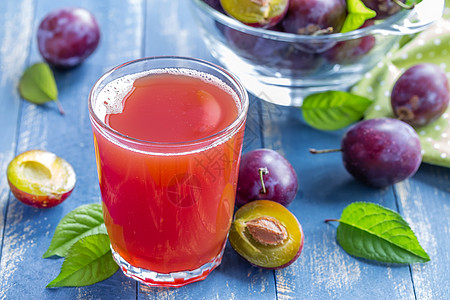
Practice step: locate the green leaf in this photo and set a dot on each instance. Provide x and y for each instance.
(415, 2)
(89, 261)
(37, 85)
(82, 221)
(372, 231)
(358, 13)
(333, 110)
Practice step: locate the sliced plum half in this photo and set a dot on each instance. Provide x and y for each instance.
(266, 234)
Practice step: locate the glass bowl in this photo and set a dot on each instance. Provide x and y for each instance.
(283, 68)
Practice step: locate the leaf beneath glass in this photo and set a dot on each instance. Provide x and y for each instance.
(88, 261)
(81, 222)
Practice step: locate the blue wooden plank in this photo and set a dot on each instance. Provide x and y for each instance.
(233, 279)
(424, 202)
(170, 30)
(324, 270)
(16, 19)
(28, 231)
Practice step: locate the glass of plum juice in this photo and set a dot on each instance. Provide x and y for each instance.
(168, 135)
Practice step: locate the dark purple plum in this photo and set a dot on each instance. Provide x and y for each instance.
(264, 174)
(256, 13)
(381, 152)
(350, 51)
(67, 36)
(315, 16)
(288, 58)
(266, 234)
(296, 62)
(215, 4)
(420, 95)
(255, 48)
(383, 8)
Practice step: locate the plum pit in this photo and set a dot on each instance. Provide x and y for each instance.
(266, 234)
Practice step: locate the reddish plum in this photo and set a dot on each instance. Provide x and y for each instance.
(254, 48)
(40, 178)
(299, 63)
(351, 51)
(315, 16)
(215, 4)
(383, 8)
(266, 174)
(256, 13)
(381, 152)
(67, 36)
(421, 94)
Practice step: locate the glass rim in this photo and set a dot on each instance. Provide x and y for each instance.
(292, 37)
(241, 94)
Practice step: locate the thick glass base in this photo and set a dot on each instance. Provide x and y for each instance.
(175, 279)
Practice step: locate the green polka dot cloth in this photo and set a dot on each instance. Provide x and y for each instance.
(431, 46)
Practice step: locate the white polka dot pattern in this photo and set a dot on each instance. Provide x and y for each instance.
(429, 46)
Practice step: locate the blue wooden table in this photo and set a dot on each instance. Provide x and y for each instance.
(137, 28)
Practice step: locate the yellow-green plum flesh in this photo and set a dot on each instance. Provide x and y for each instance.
(40, 178)
(254, 248)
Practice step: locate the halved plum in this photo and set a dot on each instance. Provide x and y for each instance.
(266, 234)
(40, 178)
(256, 13)
(384, 8)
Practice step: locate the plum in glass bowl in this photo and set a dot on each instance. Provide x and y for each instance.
(283, 67)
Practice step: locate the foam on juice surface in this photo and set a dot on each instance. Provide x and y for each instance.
(109, 99)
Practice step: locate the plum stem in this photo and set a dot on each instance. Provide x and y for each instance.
(332, 220)
(60, 107)
(315, 151)
(403, 5)
(263, 171)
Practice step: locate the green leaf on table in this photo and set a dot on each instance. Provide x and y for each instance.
(80, 222)
(89, 261)
(372, 231)
(37, 85)
(333, 110)
(358, 13)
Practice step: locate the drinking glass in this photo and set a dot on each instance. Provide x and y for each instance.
(167, 206)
